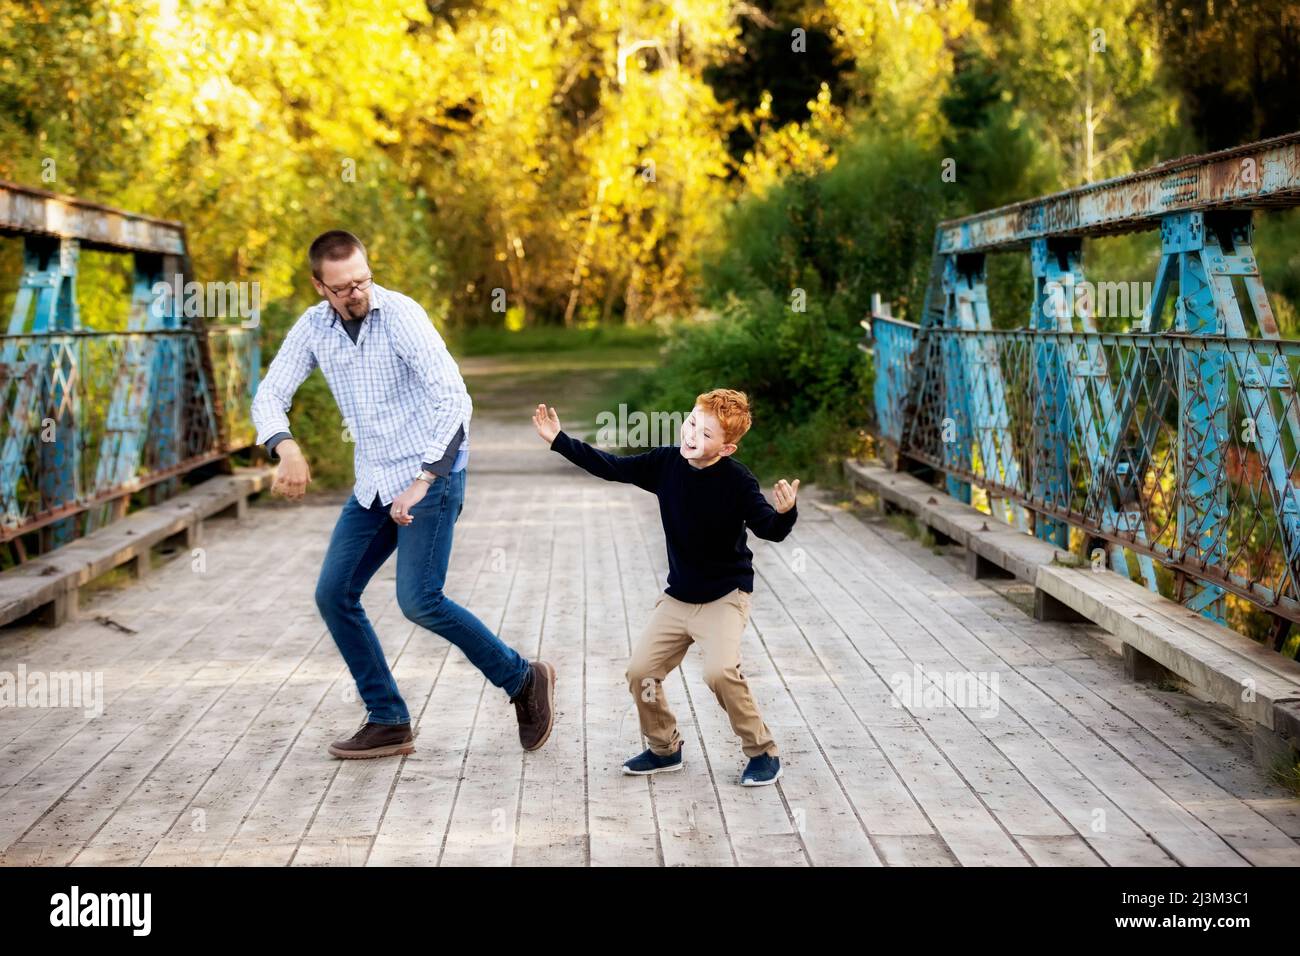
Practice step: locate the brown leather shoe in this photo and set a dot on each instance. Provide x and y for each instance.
(535, 706)
(375, 740)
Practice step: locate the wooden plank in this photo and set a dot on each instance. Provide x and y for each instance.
(109, 787)
(204, 828)
(971, 529)
(1077, 801)
(759, 826)
(211, 748)
(968, 825)
(1221, 665)
(166, 796)
(1200, 741)
(485, 804)
(685, 805)
(620, 818)
(1221, 672)
(552, 820)
(90, 645)
(828, 825)
(151, 709)
(27, 587)
(1021, 811)
(351, 814)
(1239, 826)
(294, 778)
(231, 791)
(1177, 831)
(420, 797)
(413, 831)
(899, 830)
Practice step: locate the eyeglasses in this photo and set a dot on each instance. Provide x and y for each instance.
(348, 289)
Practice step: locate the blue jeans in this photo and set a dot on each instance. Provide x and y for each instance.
(362, 541)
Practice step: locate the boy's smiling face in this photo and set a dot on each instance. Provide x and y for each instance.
(703, 441)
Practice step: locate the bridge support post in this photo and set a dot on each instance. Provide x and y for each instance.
(985, 399)
(46, 390)
(1202, 402)
(1048, 608)
(940, 539)
(62, 609)
(981, 568)
(934, 418)
(1211, 253)
(121, 448)
(1142, 669)
(1052, 421)
(142, 564)
(167, 376)
(956, 434)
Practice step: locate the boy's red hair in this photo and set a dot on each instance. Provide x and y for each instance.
(730, 408)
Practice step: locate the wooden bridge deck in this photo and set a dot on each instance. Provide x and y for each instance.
(211, 748)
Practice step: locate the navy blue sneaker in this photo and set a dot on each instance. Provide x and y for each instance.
(761, 771)
(650, 762)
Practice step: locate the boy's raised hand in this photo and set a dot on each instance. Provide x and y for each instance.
(785, 493)
(547, 423)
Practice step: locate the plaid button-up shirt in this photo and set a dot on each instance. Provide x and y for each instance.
(400, 393)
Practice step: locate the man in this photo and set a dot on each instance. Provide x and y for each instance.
(406, 406)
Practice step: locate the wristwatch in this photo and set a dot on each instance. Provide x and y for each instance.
(424, 476)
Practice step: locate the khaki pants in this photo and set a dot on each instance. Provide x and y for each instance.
(716, 627)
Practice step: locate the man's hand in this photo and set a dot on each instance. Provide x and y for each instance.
(292, 475)
(408, 499)
(547, 423)
(785, 493)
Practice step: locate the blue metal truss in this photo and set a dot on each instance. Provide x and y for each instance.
(967, 307)
(1078, 400)
(137, 407)
(44, 408)
(1103, 405)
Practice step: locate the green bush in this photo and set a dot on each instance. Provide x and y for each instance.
(789, 282)
(866, 225)
(807, 382)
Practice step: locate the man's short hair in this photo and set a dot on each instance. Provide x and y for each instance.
(333, 245)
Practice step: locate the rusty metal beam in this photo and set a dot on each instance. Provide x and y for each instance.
(25, 211)
(1257, 175)
(44, 518)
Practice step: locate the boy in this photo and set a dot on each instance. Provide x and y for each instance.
(706, 500)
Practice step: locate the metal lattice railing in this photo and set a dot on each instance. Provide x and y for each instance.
(90, 417)
(1177, 442)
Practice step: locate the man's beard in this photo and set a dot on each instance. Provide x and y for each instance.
(357, 310)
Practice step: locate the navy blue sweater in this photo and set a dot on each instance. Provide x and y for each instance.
(705, 512)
